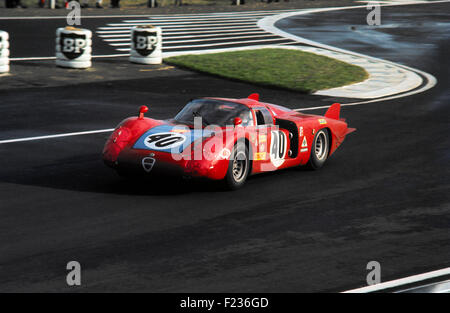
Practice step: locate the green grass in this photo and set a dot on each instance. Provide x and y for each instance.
(282, 68)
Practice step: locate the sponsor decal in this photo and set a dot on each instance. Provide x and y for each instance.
(147, 163)
(322, 121)
(225, 153)
(277, 147)
(262, 138)
(144, 42)
(180, 130)
(304, 150)
(72, 45)
(304, 143)
(300, 131)
(259, 156)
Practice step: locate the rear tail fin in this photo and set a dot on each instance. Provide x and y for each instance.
(333, 111)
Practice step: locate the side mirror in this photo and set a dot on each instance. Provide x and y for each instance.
(237, 121)
(143, 109)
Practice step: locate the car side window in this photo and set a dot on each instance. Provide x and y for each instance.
(263, 116)
(259, 117)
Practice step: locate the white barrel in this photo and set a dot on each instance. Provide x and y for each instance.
(73, 47)
(146, 45)
(4, 52)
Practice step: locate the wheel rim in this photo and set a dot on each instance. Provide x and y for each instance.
(321, 146)
(239, 166)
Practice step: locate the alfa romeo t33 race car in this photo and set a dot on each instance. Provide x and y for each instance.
(224, 139)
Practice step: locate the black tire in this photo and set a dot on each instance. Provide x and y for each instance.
(238, 167)
(320, 149)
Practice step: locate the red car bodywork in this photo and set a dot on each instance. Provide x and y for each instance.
(298, 131)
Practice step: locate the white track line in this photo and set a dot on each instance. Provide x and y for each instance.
(32, 59)
(89, 132)
(178, 32)
(401, 281)
(232, 31)
(201, 40)
(217, 32)
(197, 29)
(169, 22)
(215, 44)
(212, 36)
(186, 20)
(182, 26)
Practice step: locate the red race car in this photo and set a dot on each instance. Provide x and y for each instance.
(225, 139)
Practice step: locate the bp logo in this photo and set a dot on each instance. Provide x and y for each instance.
(72, 45)
(144, 42)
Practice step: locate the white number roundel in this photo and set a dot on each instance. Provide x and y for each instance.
(277, 147)
(163, 141)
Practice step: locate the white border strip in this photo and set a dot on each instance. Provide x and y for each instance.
(401, 281)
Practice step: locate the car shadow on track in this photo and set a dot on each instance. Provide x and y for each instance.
(89, 174)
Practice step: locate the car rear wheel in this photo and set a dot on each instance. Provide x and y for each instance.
(238, 167)
(319, 149)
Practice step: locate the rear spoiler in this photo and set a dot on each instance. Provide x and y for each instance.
(333, 111)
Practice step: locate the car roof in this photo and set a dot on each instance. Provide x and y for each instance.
(245, 101)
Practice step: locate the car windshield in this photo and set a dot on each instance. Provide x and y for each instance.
(212, 112)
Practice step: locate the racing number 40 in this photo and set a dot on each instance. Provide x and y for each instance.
(278, 145)
(163, 140)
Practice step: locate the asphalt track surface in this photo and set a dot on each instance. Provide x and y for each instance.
(383, 196)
